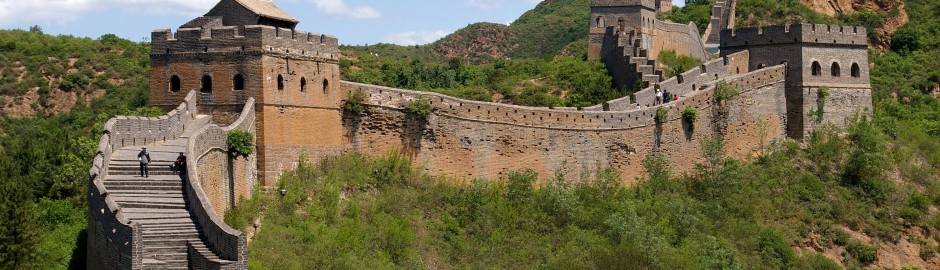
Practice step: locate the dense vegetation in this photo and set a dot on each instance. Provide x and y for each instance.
(388, 215)
(549, 81)
(351, 212)
(696, 11)
(44, 161)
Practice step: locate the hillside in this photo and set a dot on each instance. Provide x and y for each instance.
(42, 75)
(843, 198)
(545, 30)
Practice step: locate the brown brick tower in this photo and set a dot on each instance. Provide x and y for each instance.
(249, 48)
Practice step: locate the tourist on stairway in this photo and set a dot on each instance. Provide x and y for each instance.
(144, 158)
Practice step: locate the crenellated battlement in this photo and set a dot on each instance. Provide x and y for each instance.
(256, 38)
(624, 3)
(795, 33)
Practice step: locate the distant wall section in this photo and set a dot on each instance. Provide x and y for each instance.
(468, 139)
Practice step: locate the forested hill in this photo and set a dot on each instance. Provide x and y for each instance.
(857, 196)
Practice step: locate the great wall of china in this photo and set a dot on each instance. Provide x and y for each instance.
(243, 66)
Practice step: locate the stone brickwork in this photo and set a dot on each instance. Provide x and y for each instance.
(627, 37)
(211, 196)
(114, 241)
(226, 182)
(291, 74)
(723, 17)
(831, 56)
(468, 139)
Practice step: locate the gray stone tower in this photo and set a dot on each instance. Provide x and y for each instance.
(618, 16)
(817, 57)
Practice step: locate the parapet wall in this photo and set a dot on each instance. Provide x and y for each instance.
(228, 243)
(682, 38)
(469, 139)
(684, 84)
(126, 131)
(256, 38)
(795, 33)
(109, 231)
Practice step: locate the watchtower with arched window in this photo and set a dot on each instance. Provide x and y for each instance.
(250, 49)
(616, 16)
(816, 56)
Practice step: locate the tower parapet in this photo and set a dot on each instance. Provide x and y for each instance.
(256, 38)
(795, 33)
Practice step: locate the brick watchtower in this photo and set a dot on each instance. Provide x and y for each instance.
(817, 56)
(618, 16)
(249, 48)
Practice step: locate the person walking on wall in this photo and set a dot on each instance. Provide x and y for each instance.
(659, 97)
(144, 158)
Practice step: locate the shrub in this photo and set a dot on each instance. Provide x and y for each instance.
(775, 248)
(420, 107)
(662, 115)
(725, 92)
(240, 143)
(690, 115)
(354, 102)
(519, 187)
(865, 254)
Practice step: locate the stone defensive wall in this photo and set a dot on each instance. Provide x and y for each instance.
(688, 82)
(795, 33)
(469, 139)
(683, 38)
(110, 232)
(139, 131)
(255, 39)
(209, 195)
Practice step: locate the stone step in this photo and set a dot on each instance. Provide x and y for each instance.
(152, 178)
(645, 69)
(138, 188)
(151, 171)
(168, 242)
(142, 216)
(154, 205)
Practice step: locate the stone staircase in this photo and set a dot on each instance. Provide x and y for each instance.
(638, 59)
(722, 18)
(158, 202)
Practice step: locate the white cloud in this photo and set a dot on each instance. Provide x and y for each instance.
(65, 11)
(340, 8)
(414, 38)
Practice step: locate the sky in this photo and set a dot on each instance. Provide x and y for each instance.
(354, 22)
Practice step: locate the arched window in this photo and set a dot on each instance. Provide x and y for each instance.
(238, 83)
(175, 84)
(326, 86)
(817, 69)
(280, 83)
(303, 84)
(836, 71)
(206, 84)
(856, 71)
(622, 23)
(600, 22)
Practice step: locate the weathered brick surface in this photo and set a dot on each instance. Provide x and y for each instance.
(469, 139)
(623, 31)
(110, 233)
(210, 197)
(800, 47)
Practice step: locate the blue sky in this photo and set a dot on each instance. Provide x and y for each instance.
(357, 22)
